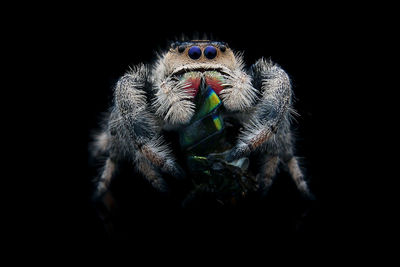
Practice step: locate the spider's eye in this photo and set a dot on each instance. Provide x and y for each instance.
(181, 48)
(210, 52)
(194, 52)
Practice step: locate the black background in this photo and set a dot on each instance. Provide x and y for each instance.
(89, 54)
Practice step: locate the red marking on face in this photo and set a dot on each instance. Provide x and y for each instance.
(193, 88)
(215, 84)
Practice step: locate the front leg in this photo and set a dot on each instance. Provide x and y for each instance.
(140, 123)
(272, 108)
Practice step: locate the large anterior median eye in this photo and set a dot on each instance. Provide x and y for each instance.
(210, 52)
(194, 52)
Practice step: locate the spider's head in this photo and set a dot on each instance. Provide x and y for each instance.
(199, 59)
(200, 54)
(189, 68)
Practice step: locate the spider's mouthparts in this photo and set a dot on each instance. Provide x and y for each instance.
(192, 82)
(203, 85)
(200, 81)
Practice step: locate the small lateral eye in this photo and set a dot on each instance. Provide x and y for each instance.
(210, 52)
(194, 52)
(181, 48)
(222, 48)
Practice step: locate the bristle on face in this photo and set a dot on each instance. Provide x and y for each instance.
(215, 80)
(192, 82)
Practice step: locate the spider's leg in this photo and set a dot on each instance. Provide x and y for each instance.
(268, 172)
(102, 193)
(150, 173)
(105, 178)
(298, 177)
(141, 126)
(271, 112)
(291, 162)
(160, 156)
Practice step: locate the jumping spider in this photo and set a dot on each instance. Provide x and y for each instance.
(195, 89)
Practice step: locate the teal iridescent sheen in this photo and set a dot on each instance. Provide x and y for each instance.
(205, 123)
